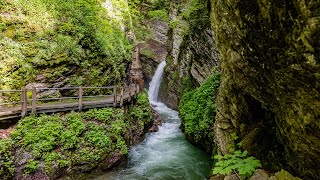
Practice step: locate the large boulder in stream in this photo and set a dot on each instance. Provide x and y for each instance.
(270, 90)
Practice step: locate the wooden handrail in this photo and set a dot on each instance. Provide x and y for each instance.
(3, 91)
(117, 97)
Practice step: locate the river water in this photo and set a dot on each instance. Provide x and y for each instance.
(166, 154)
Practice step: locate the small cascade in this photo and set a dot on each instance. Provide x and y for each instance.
(165, 154)
(155, 83)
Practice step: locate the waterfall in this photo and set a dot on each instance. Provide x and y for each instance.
(156, 82)
(165, 154)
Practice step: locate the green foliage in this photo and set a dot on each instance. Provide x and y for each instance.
(72, 135)
(237, 161)
(159, 14)
(39, 134)
(96, 136)
(102, 115)
(142, 112)
(196, 14)
(31, 166)
(121, 144)
(6, 159)
(57, 37)
(61, 141)
(197, 109)
(147, 52)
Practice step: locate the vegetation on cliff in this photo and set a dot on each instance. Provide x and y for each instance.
(64, 42)
(74, 142)
(197, 110)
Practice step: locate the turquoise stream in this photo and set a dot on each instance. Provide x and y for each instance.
(164, 155)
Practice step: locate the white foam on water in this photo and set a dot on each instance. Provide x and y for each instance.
(164, 154)
(156, 82)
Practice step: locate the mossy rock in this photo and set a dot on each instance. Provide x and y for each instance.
(285, 175)
(270, 61)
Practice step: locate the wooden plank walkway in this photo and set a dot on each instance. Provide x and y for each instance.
(119, 96)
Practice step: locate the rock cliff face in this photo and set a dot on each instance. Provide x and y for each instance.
(153, 50)
(270, 81)
(192, 56)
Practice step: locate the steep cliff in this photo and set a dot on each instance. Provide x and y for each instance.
(192, 53)
(64, 43)
(270, 91)
(153, 50)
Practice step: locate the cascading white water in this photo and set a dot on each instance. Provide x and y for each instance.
(156, 82)
(165, 154)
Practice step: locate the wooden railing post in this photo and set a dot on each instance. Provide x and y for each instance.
(115, 96)
(34, 100)
(24, 102)
(80, 98)
(121, 96)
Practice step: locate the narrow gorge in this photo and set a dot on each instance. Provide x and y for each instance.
(228, 89)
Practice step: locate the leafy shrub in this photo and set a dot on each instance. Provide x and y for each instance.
(197, 109)
(121, 144)
(142, 112)
(39, 134)
(96, 136)
(6, 158)
(238, 162)
(103, 115)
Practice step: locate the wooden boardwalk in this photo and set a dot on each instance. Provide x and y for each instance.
(116, 97)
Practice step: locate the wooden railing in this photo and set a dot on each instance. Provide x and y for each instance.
(34, 100)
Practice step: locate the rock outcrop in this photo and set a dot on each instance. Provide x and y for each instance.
(259, 174)
(153, 50)
(270, 91)
(136, 73)
(192, 57)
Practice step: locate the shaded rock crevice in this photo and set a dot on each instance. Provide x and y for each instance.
(270, 67)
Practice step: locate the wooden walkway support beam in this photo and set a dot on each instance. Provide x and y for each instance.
(34, 100)
(24, 102)
(115, 96)
(80, 98)
(121, 96)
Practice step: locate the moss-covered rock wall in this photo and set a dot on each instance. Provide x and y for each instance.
(270, 80)
(64, 43)
(192, 53)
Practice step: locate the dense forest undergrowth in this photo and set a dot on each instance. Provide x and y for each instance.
(62, 43)
(51, 146)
